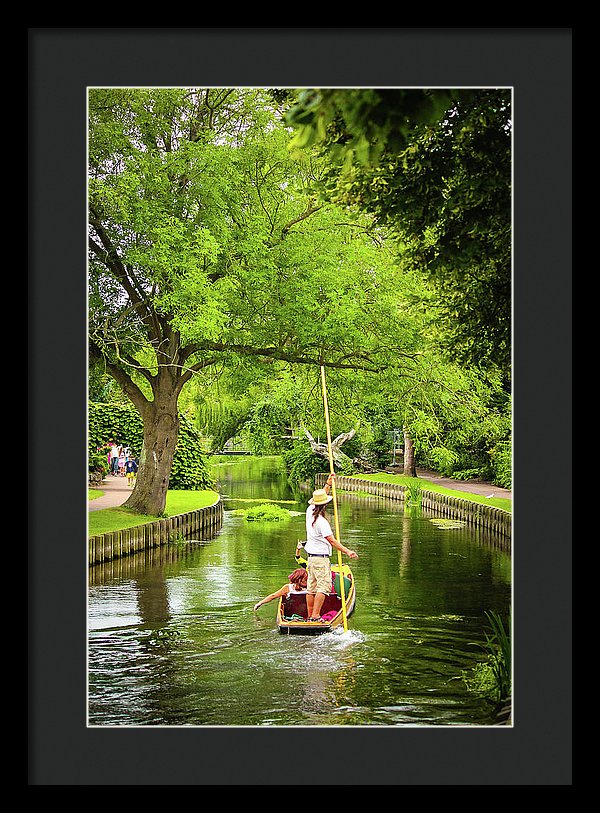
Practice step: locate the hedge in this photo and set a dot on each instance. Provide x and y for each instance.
(122, 423)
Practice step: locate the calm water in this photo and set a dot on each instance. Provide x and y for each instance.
(174, 641)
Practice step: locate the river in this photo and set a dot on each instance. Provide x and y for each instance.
(174, 640)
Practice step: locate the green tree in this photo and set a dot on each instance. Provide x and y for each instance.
(435, 166)
(207, 244)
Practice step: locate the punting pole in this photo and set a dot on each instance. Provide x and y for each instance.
(333, 493)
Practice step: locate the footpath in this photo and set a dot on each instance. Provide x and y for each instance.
(116, 490)
(479, 487)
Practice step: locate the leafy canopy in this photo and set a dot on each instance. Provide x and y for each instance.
(434, 166)
(201, 219)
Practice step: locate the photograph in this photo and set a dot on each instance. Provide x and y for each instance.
(300, 364)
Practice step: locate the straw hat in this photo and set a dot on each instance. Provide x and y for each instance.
(320, 497)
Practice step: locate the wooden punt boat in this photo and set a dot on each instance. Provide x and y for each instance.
(292, 612)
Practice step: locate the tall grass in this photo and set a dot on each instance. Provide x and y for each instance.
(413, 493)
(492, 678)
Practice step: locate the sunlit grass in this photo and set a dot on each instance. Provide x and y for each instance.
(94, 493)
(428, 485)
(178, 502)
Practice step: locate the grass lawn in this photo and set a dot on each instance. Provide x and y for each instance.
(94, 493)
(178, 502)
(428, 485)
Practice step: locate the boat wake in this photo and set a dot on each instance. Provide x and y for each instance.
(346, 638)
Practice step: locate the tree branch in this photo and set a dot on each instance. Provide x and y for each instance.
(194, 368)
(122, 378)
(109, 256)
(310, 210)
(296, 358)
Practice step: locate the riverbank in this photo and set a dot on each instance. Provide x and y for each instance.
(105, 513)
(116, 491)
(475, 490)
(485, 517)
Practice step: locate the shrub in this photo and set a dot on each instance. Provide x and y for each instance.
(98, 462)
(376, 449)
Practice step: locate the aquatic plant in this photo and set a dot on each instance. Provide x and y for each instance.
(267, 512)
(177, 538)
(492, 678)
(448, 524)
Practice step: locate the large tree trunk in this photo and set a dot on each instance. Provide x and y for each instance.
(161, 430)
(410, 468)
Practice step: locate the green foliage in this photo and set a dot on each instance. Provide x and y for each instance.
(456, 418)
(377, 447)
(501, 463)
(98, 462)
(344, 465)
(122, 423)
(118, 422)
(413, 495)
(252, 265)
(303, 464)
(274, 407)
(435, 166)
(362, 124)
(466, 474)
(189, 471)
(265, 428)
(222, 419)
(266, 512)
(492, 678)
(101, 387)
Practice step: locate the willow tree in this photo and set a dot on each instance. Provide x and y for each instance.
(205, 243)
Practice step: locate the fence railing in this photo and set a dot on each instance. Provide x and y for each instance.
(485, 517)
(205, 523)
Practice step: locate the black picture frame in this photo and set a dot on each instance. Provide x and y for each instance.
(537, 64)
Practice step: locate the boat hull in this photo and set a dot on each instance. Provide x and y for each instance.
(295, 605)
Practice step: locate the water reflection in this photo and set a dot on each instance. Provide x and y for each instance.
(174, 641)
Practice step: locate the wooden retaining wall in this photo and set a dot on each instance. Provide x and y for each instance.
(203, 523)
(488, 518)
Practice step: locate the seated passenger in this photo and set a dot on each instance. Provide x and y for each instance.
(296, 584)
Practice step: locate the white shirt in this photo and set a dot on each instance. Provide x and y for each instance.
(315, 534)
